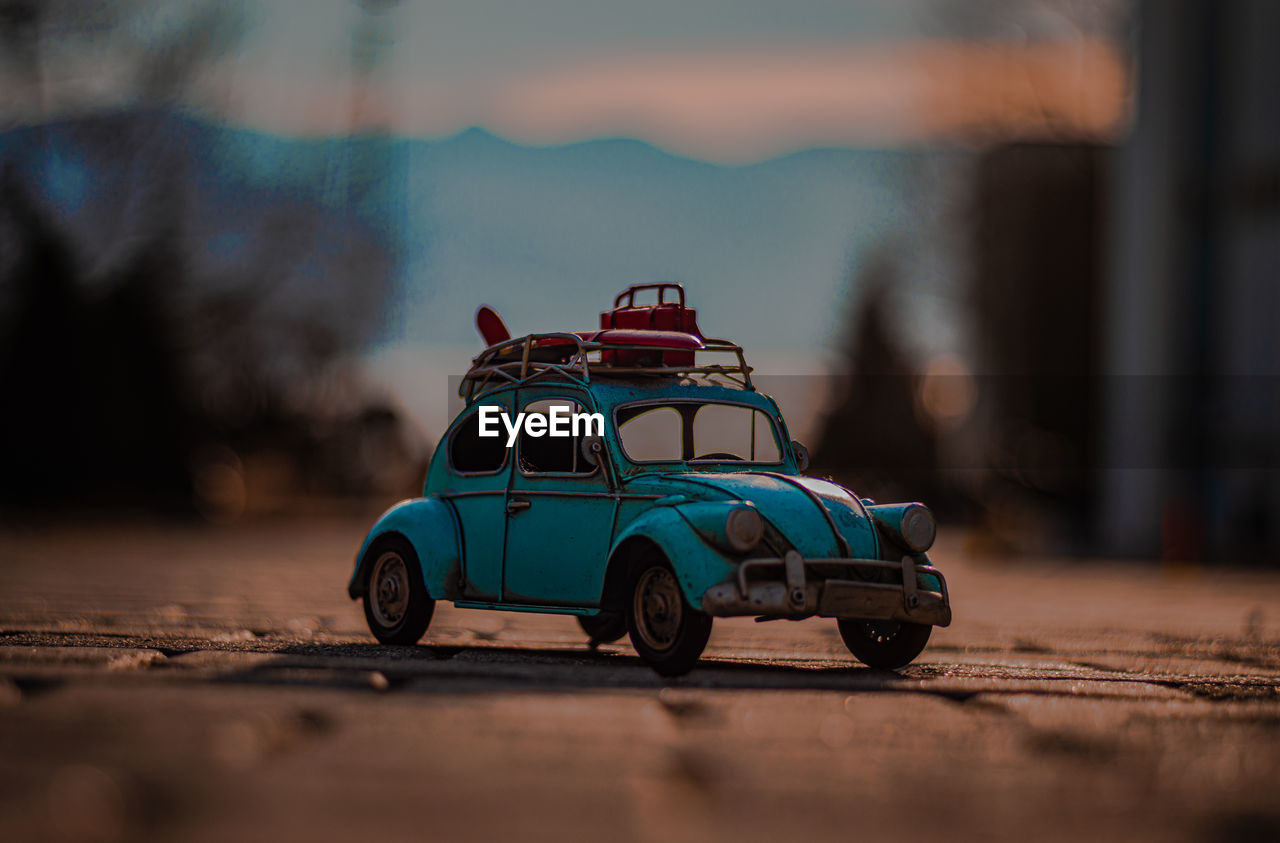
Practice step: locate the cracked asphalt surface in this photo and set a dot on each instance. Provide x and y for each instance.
(179, 682)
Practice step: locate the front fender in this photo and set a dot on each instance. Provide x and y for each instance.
(429, 524)
(697, 565)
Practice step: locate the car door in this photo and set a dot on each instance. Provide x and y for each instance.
(480, 469)
(562, 513)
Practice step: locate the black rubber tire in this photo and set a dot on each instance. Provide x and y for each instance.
(409, 627)
(604, 628)
(692, 628)
(884, 645)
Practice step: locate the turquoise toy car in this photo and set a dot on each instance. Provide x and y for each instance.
(669, 494)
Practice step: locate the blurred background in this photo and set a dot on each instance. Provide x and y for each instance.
(1018, 259)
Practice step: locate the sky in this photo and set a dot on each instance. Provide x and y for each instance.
(728, 81)
(724, 83)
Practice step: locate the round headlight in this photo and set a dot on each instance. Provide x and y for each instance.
(743, 528)
(918, 528)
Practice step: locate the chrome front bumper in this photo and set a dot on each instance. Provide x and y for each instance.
(822, 587)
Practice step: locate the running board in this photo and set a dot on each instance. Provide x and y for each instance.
(520, 607)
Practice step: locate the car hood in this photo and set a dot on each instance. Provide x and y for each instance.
(808, 511)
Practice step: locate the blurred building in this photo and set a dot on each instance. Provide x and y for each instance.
(1039, 259)
(1125, 306)
(1192, 411)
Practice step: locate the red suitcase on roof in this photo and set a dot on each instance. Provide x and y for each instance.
(663, 316)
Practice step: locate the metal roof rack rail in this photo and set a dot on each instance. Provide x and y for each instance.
(567, 357)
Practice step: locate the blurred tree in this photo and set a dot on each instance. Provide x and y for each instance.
(873, 439)
(41, 349)
(156, 303)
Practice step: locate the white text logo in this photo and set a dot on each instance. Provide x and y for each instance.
(557, 421)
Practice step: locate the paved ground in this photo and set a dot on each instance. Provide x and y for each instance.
(215, 684)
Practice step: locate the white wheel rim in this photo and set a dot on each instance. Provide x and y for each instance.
(389, 589)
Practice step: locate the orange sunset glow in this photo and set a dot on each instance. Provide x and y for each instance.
(734, 105)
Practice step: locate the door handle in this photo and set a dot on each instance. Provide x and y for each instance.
(517, 505)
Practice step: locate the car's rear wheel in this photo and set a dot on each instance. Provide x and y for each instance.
(885, 645)
(666, 631)
(396, 604)
(604, 628)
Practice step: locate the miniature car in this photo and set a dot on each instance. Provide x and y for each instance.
(686, 502)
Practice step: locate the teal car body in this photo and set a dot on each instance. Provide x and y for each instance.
(743, 536)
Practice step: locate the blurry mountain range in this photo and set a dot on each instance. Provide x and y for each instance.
(475, 217)
(549, 234)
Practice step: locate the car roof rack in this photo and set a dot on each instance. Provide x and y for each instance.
(567, 357)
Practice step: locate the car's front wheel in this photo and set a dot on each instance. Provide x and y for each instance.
(666, 631)
(396, 604)
(885, 645)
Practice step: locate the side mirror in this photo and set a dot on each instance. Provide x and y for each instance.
(592, 448)
(802, 455)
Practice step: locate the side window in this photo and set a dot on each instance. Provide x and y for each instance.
(470, 453)
(547, 454)
(651, 434)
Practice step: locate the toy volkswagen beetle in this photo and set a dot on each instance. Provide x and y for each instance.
(685, 501)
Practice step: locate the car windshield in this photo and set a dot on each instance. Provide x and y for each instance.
(693, 431)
